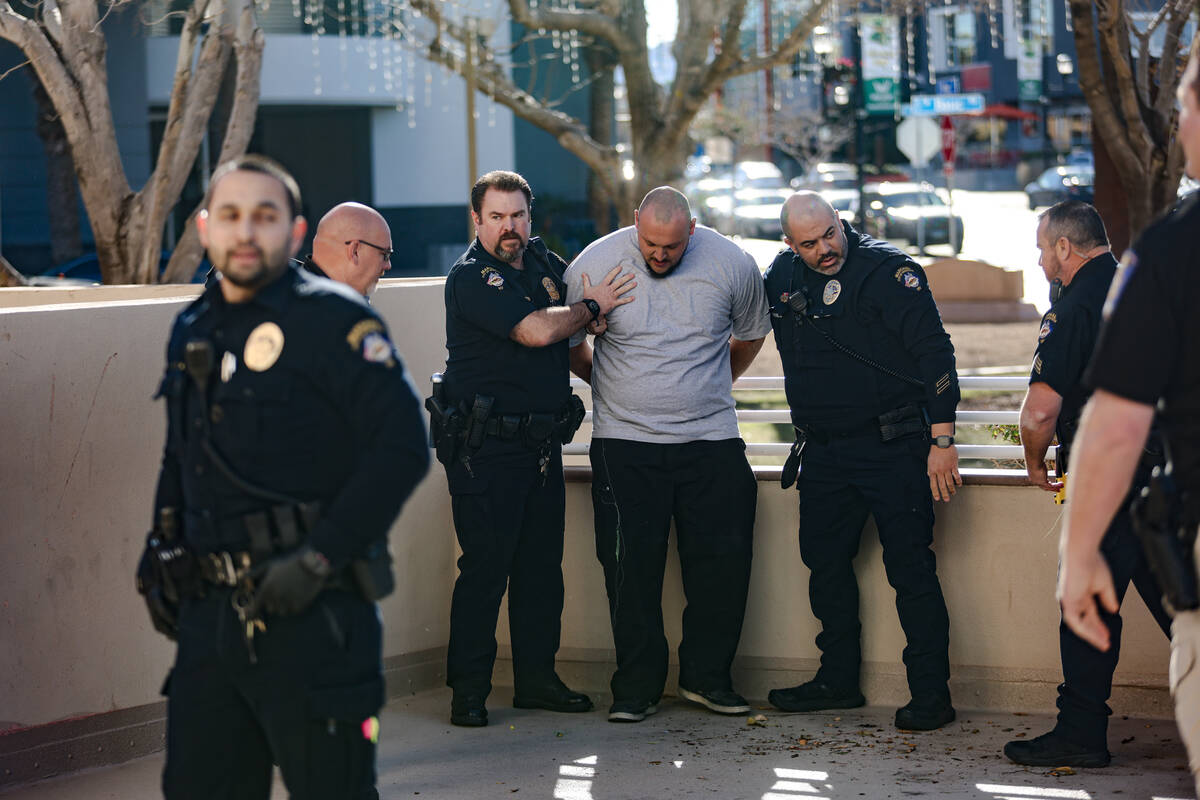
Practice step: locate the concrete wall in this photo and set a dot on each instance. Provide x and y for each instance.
(81, 442)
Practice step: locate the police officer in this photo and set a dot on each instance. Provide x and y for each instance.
(870, 379)
(352, 245)
(1076, 259)
(500, 416)
(1147, 356)
(293, 439)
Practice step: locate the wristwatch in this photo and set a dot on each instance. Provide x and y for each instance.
(592, 306)
(944, 441)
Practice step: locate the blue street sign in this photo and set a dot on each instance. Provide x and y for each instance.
(948, 85)
(937, 105)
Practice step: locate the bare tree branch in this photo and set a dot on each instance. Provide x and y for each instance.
(594, 23)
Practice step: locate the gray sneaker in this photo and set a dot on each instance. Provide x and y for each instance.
(722, 701)
(630, 711)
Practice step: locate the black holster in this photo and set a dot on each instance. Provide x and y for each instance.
(571, 419)
(904, 421)
(373, 574)
(168, 566)
(1166, 540)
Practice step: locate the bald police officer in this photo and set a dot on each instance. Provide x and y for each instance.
(870, 379)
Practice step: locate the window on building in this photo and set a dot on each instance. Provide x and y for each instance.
(1028, 19)
(952, 37)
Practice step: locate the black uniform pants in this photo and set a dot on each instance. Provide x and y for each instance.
(302, 706)
(1087, 672)
(710, 491)
(840, 483)
(509, 520)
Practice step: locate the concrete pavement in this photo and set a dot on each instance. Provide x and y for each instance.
(685, 751)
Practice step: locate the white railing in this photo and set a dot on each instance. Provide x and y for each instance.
(782, 416)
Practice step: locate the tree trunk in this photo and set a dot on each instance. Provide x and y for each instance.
(248, 49)
(9, 276)
(602, 124)
(62, 193)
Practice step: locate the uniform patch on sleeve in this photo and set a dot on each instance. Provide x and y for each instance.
(492, 277)
(1037, 365)
(1125, 270)
(943, 383)
(369, 339)
(551, 289)
(1048, 323)
(908, 278)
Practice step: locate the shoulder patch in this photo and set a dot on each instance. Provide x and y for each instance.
(493, 277)
(368, 339)
(907, 277)
(1046, 329)
(1124, 272)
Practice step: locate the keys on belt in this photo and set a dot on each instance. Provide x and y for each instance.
(223, 568)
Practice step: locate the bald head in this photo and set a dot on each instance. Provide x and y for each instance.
(812, 229)
(664, 226)
(352, 245)
(665, 204)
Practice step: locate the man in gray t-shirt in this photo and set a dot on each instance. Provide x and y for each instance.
(665, 445)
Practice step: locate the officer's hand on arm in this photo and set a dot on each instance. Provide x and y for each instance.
(599, 325)
(1083, 578)
(290, 583)
(611, 292)
(944, 477)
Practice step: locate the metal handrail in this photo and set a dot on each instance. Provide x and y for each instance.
(782, 416)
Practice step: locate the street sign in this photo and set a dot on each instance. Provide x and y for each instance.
(917, 138)
(948, 85)
(936, 105)
(949, 146)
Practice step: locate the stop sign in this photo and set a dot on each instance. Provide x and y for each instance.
(949, 148)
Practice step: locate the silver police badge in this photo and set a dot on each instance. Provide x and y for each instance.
(833, 290)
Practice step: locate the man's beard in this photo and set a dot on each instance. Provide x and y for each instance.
(260, 275)
(828, 263)
(660, 275)
(510, 256)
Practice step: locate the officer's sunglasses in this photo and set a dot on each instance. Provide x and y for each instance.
(387, 251)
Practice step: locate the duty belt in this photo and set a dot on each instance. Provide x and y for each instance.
(229, 569)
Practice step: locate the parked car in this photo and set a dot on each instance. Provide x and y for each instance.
(1061, 183)
(845, 202)
(894, 211)
(757, 175)
(827, 175)
(756, 215)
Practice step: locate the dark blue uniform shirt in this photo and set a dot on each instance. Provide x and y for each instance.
(1149, 345)
(879, 305)
(1068, 337)
(485, 299)
(306, 399)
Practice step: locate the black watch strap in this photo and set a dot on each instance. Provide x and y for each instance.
(944, 441)
(592, 306)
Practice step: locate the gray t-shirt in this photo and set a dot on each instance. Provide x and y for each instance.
(661, 371)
